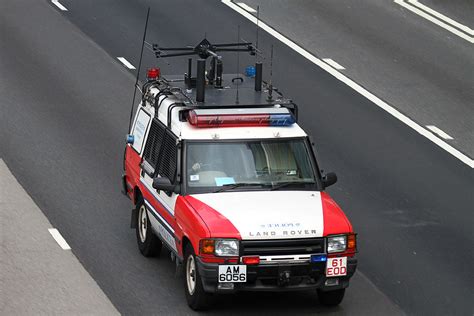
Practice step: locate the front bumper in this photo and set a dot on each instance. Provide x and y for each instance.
(266, 277)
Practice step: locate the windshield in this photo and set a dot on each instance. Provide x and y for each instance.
(249, 165)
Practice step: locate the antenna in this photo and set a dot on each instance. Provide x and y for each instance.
(238, 65)
(256, 39)
(270, 86)
(138, 70)
(258, 65)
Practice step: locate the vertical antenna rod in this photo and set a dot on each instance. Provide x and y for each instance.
(256, 40)
(258, 65)
(138, 70)
(270, 86)
(238, 65)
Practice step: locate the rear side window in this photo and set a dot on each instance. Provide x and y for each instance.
(139, 129)
(161, 151)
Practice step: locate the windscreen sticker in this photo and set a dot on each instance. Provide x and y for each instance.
(224, 180)
(194, 177)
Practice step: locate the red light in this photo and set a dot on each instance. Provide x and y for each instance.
(251, 260)
(228, 120)
(153, 73)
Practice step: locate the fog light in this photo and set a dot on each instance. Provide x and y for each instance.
(332, 282)
(225, 286)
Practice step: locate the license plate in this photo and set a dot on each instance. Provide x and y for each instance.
(232, 273)
(336, 267)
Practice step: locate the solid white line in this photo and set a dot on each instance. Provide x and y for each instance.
(59, 239)
(435, 21)
(442, 17)
(383, 105)
(126, 63)
(59, 5)
(438, 131)
(246, 7)
(332, 63)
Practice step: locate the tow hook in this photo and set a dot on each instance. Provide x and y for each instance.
(284, 278)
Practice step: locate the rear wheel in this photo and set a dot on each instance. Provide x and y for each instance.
(148, 243)
(196, 297)
(331, 298)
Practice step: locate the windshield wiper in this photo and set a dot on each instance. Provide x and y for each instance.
(232, 186)
(288, 183)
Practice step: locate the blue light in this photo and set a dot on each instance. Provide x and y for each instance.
(319, 258)
(250, 71)
(281, 120)
(130, 139)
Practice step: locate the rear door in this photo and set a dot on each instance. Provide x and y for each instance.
(160, 160)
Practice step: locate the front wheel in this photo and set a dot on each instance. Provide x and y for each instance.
(195, 295)
(331, 298)
(148, 243)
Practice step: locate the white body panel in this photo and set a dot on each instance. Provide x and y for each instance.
(270, 214)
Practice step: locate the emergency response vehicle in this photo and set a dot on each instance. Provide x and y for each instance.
(220, 173)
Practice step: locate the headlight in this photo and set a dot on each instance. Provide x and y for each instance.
(337, 244)
(220, 247)
(226, 247)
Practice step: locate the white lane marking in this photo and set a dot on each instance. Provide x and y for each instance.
(438, 131)
(435, 20)
(59, 239)
(332, 63)
(442, 17)
(379, 102)
(126, 63)
(59, 5)
(246, 7)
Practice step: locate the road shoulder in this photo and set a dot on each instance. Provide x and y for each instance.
(37, 275)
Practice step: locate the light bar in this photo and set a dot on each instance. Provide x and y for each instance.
(200, 118)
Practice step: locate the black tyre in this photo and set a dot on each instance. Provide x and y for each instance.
(331, 298)
(196, 297)
(148, 243)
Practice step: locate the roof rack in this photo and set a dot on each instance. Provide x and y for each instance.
(191, 93)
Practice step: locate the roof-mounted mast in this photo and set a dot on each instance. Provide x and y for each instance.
(204, 50)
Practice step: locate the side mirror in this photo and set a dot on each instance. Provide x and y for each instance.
(164, 184)
(329, 179)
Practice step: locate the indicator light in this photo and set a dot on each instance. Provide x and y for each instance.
(250, 71)
(251, 260)
(207, 246)
(153, 74)
(130, 139)
(319, 258)
(351, 242)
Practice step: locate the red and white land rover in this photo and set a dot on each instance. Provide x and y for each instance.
(231, 186)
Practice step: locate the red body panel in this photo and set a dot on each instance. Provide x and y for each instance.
(335, 221)
(132, 170)
(218, 225)
(189, 224)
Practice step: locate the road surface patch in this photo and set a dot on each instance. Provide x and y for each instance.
(126, 63)
(59, 239)
(440, 132)
(438, 19)
(333, 64)
(246, 7)
(352, 84)
(59, 5)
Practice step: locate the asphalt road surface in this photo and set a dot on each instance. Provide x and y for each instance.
(65, 102)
